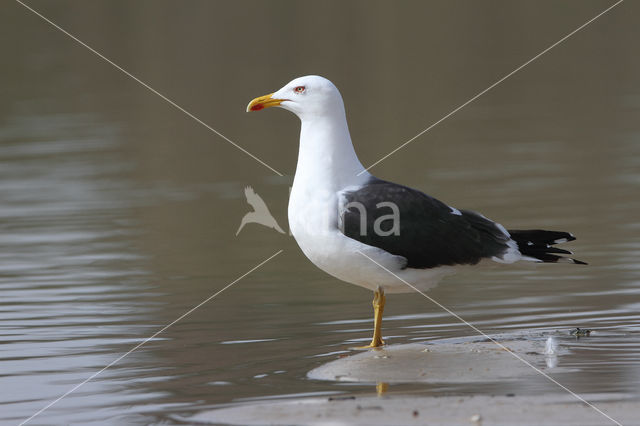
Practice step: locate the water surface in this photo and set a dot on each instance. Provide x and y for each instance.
(119, 213)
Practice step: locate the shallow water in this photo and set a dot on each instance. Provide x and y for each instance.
(119, 213)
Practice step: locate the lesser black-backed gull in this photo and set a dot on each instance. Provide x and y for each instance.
(354, 226)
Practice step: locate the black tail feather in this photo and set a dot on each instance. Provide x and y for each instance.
(537, 244)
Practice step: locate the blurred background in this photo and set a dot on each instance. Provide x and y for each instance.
(118, 212)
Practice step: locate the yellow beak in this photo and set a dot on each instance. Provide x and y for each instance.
(262, 102)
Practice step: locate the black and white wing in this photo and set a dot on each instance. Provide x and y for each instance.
(428, 233)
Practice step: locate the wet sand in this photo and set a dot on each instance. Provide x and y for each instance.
(445, 362)
(461, 362)
(449, 410)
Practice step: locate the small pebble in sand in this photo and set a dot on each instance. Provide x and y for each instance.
(341, 398)
(476, 418)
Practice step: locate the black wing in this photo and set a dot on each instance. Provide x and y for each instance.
(427, 232)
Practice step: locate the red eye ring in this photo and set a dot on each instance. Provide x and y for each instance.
(299, 89)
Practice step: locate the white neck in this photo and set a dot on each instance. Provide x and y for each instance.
(326, 158)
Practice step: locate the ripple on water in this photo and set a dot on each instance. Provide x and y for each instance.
(70, 280)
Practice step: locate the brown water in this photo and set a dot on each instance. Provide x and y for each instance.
(118, 213)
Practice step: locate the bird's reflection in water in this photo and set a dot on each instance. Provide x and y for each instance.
(381, 388)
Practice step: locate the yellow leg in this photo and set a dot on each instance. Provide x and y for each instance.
(378, 308)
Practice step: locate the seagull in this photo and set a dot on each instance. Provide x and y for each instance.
(376, 234)
(260, 213)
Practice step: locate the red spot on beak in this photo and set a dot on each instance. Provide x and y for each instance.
(257, 107)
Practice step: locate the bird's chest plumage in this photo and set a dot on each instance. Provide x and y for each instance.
(313, 219)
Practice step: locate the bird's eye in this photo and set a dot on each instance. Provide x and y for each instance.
(299, 89)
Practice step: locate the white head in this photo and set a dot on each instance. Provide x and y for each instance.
(307, 97)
